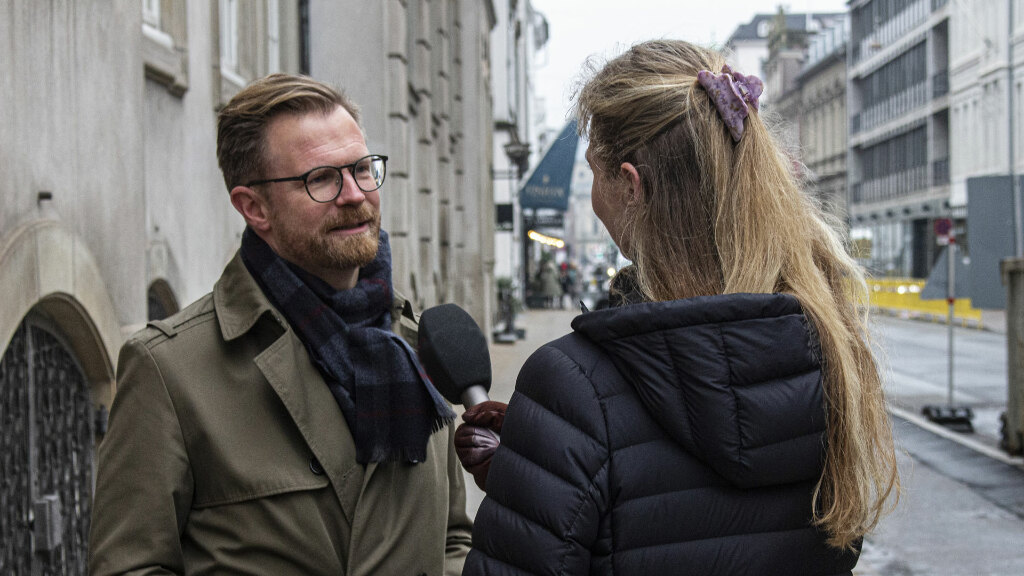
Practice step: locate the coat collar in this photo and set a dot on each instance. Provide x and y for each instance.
(239, 301)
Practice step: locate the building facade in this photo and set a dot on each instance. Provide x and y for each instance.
(823, 131)
(518, 39)
(771, 46)
(979, 102)
(113, 210)
(806, 81)
(899, 157)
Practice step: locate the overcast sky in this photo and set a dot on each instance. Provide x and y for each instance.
(581, 28)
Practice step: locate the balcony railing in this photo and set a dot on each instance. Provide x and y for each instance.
(875, 114)
(855, 123)
(891, 186)
(940, 84)
(869, 38)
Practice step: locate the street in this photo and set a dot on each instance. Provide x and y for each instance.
(961, 511)
(962, 506)
(915, 354)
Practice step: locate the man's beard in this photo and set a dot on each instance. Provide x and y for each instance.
(323, 251)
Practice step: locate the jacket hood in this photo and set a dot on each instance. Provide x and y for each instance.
(735, 379)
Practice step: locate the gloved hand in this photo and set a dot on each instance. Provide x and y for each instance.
(477, 439)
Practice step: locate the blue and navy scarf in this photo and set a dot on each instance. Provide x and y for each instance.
(389, 403)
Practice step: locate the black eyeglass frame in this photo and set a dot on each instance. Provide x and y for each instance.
(351, 170)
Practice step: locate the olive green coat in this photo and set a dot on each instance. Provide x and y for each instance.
(227, 454)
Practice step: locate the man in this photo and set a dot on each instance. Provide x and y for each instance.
(279, 425)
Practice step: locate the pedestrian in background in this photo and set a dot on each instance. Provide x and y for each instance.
(725, 415)
(281, 424)
(550, 287)
(571, 284)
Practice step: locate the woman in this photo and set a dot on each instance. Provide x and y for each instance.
(726, 416)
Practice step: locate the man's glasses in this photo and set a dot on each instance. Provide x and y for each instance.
(323, 183)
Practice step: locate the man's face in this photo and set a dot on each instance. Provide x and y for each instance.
(331, 240)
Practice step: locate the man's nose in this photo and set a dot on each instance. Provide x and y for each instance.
(350, 192)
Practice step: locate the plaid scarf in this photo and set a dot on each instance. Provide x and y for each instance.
(374, 375)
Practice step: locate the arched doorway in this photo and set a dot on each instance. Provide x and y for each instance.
(46, 453)
(160, 300)
(59, 334)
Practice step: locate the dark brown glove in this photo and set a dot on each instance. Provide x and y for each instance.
(477, 439)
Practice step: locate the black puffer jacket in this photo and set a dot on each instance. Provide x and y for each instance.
(679, 437)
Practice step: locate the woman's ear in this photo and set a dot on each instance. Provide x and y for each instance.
(252, 206)
(629, 175)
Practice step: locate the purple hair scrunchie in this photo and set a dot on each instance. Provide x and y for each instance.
(732, 93)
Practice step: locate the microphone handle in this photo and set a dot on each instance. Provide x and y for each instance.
(474, 395)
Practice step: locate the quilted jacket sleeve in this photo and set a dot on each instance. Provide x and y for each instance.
(547, 486)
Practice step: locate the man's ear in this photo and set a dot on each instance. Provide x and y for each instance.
(629, 175)
(252, 206)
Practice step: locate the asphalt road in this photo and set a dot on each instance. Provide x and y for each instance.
(915, 356)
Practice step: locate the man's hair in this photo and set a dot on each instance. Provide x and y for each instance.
(716, 216)
(242, 124)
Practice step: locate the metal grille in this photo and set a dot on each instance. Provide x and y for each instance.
(63, 447)
(46, 443)
(15, 472)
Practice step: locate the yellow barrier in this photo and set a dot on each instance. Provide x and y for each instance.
(902, 296)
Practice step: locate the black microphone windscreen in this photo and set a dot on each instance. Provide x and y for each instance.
(453, 351)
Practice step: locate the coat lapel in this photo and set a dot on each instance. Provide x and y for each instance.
(240, 303)
(287, 368)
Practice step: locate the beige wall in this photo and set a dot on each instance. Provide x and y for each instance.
(71, 126)
(71, 131)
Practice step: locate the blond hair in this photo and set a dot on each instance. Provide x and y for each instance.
(242, 123)
(718, 217)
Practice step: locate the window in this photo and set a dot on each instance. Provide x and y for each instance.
(273, 36)
(164, 43)
(255, 38)
(229, 39)
(305, 62)
(151, 13)
(764, 27)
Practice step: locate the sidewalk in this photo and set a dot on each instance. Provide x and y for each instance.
(542, 326)
(960, 513)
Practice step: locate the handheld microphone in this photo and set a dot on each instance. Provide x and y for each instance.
(453, 351)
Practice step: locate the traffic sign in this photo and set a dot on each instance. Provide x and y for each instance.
(943, 230)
